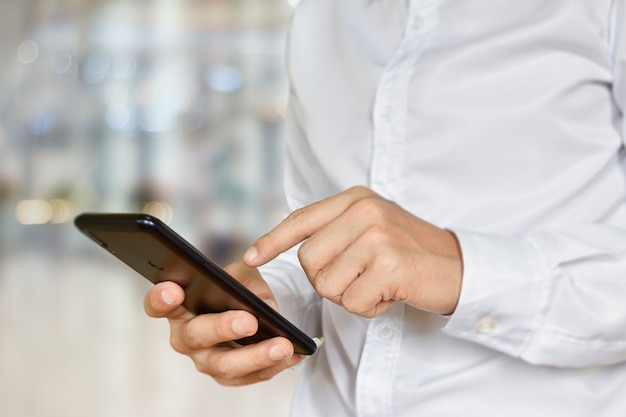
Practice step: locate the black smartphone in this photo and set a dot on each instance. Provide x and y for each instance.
(156, 252)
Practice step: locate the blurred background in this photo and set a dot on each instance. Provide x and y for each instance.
(170, 107)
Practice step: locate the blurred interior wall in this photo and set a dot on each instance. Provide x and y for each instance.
(15, 20)
(173, 107)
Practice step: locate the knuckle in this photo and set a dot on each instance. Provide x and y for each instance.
(190, 336)
(386, 264)
(358, 309)
(265, 374)
(226, 382)
(320, 288)
(324, 283)
(353, 308)
(298, 217)
(177, 344)
(325, 287)
(309, 257)
(369, 204)
(304, 254)
(355, 302)
(369, 207)
(360, 190)
(351, 304)
(369, 314)
(223, 369)
(377, 235)
(202, 367)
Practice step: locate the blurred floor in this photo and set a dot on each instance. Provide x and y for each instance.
(75, 342)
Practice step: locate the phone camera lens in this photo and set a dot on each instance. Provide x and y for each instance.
(155, 266)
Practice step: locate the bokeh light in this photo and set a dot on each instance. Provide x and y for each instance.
(27, 52)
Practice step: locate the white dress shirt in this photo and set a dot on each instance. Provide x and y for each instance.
(502, 120)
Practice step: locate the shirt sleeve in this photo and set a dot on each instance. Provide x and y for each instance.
(295, 295)
(554, 297)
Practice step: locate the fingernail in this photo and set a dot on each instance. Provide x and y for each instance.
(250, 254)
(168, 296)
(239, 326)
(278, 352)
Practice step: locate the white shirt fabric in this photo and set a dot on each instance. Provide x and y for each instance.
(502, 120)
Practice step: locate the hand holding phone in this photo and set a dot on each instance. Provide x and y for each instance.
(206, 339)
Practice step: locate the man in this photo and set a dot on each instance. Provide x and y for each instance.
(458, 175)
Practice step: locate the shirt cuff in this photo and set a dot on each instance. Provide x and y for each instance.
(502, 292)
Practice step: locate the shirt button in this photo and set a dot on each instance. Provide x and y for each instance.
(385, 331)
(486, 325)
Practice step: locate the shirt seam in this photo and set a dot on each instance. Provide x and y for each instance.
(611, 25)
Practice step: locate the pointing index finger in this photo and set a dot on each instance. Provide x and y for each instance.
(300, 225)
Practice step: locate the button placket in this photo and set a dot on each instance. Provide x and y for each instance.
(376, 367)
(386, 116)
(391, 102)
